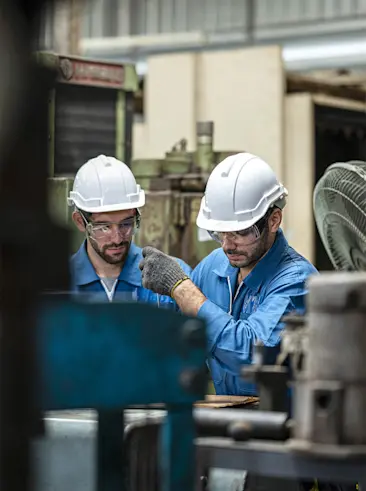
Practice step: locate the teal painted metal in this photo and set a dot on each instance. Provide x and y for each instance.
(108, 356)
(179, 427)
(111, 355)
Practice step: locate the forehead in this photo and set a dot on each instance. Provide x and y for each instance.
(113, 216)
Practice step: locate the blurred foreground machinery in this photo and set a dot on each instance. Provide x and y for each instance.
(322, 438)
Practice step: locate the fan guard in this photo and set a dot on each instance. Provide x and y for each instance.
(340, 214)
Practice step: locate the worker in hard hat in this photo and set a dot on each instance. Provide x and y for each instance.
(106, 201)
(244, 288)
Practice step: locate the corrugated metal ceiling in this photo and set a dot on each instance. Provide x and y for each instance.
(139, 17)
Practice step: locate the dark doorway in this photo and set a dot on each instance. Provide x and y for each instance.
(340, 136)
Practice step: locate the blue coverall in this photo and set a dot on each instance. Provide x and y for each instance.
(129, 287)
(237, 316)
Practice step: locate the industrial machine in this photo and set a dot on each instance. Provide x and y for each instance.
(174, 189)
(90, 112)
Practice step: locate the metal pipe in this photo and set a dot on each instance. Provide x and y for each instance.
(241, 423)
(204, 155)
(233, 423)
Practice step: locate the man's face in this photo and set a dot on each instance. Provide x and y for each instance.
(244, 256)
(110, 234)
(245, 249)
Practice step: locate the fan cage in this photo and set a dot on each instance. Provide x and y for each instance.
(340, 213)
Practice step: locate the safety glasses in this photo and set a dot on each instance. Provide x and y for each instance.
(244, 237)
(107, 230)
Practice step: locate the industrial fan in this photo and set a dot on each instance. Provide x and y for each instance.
(340, 213)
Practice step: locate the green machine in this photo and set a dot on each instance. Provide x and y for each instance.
(174, 188)
(91, 112)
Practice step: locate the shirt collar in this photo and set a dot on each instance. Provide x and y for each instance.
(84, 272)
(263, 268)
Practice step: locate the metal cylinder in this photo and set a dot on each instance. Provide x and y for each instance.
(204, 154)
(227, 422)
(330, 395)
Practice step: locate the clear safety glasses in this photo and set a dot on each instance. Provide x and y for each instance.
(245, 237)
(107, 230)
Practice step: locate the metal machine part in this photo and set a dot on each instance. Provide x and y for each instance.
(90, 111)
(70, 442)
(330, 393)
(271, 380)
(174, 188)
(277, 460)
(204, 152)
(64, 457)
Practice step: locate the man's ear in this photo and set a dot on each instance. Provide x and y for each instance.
(78, 220)
(275, 219)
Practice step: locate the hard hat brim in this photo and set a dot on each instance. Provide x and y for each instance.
(224, 226)
(108, 208)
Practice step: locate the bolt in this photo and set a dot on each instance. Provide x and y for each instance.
(240, 431)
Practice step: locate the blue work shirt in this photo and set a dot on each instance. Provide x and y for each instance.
(129, 284)
(238, 316)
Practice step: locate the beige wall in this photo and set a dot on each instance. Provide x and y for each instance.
(242, 91)
(170, 105)
(299, 172)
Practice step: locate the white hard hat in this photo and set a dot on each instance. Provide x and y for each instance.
(238, 193)
(105, 184)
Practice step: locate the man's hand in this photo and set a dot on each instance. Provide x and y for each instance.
(160, 272)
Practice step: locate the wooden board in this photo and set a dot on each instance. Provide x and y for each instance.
(214, 401)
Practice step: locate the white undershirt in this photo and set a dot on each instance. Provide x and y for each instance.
(109, 285)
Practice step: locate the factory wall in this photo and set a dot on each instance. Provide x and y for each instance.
(242, 91)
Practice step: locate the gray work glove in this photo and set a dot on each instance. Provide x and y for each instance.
(160, 272)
